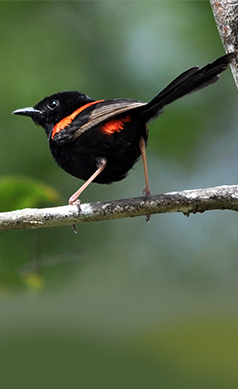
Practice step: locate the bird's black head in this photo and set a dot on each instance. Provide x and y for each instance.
(54, 108)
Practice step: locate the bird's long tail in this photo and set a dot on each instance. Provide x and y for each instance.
(190, 81)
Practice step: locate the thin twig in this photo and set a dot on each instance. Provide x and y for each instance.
(188, 201)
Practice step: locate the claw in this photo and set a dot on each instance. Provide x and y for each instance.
(146, 191)
(77, 203)
(74, 228)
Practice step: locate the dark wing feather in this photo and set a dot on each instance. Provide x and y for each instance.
(189, 81)
(106, 110)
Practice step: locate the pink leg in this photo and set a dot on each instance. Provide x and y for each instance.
(74, 198)
(101, 166)
(146, 191)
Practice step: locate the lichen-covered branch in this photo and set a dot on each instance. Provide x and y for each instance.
(188, 201)
(226, 17)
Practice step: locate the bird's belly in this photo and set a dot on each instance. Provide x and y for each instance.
(81, 157)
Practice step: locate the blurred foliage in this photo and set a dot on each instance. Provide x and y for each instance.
(18, 193)
(110, 49)
(200, 353)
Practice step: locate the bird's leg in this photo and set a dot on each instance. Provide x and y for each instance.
(100, 167)
(73, 200)
(146, 191)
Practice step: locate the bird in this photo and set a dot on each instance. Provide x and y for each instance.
(101, 140)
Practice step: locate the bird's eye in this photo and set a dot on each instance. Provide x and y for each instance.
(53, 104)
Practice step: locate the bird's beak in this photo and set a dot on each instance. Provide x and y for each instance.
(29, 111)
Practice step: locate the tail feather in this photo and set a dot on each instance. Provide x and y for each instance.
(189, 81)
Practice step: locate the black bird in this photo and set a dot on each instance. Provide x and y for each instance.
(100, 140)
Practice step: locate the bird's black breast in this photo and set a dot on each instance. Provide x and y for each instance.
(121, 150)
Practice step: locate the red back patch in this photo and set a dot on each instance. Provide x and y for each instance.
(114, 125)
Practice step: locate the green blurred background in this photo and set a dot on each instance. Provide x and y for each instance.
(159, 295)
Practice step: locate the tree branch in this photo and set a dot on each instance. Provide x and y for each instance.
(187, 201)
(226, 17)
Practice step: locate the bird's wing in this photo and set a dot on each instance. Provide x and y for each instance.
(107, 110)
